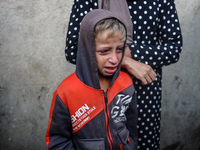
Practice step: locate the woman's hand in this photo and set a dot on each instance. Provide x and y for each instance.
(141, 71)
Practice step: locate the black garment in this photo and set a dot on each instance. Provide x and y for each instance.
(157, 34)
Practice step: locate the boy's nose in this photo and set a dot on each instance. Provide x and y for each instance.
(113, 58)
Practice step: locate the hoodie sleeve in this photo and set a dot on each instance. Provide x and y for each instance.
(79, 9)
(131, 115)
(59, 132)
(169, 35)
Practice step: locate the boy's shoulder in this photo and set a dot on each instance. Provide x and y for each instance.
(68, 86)
(72, 85)
(68, 81)
(125, 78)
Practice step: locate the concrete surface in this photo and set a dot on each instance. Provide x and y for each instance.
(32, 64)
(181, 85)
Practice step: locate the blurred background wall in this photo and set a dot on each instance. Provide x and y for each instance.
(32, 64)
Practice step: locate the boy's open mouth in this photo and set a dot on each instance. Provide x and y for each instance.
(110, 70)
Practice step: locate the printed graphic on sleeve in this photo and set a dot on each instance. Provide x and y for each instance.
(122, 104)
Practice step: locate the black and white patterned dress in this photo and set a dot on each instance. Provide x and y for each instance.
(157, 34)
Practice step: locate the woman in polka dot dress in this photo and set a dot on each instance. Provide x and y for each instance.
(158, 42)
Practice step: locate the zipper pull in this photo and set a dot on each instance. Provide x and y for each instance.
(105, 96)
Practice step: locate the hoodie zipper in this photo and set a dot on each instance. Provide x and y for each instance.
(107, 114)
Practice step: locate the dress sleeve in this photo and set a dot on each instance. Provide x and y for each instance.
(79, 9)
(59, 132)
(169, 36)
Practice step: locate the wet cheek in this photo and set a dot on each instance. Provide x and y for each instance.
(120, 57)
(101, 61)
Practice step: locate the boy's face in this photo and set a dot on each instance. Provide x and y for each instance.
(109, 51)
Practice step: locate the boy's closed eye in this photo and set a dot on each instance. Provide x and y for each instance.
(120, 49)
(103, 51)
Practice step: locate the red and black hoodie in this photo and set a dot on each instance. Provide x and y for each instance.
(82, 115)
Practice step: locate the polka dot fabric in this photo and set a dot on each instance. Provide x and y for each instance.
(158, 39)
(79, 9)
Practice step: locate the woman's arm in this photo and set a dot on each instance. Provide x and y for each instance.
(139, 70)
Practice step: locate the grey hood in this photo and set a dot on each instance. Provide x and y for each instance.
(86, 65)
